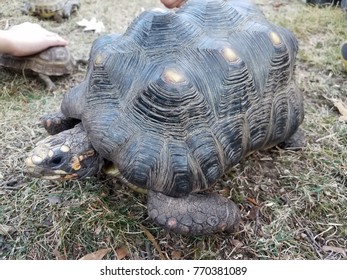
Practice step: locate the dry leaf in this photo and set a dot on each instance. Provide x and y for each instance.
(225, 192)
(98, 230)
(253, 201)
(6, 230)
(58, 256)
(122, 252)
(237, 243)
(342, 109)
(253, 213)
(98, 255)
(277, 5)
(176, 255)
(92, 25)
(340, 106)
(342, 251)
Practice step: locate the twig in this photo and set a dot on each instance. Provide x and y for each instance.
(154, 242)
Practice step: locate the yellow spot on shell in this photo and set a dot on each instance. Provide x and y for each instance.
(64, 148)
(173, 76)
(230, 55)
(50, 153)
(99, 59)
(275, 38)
(36, 159)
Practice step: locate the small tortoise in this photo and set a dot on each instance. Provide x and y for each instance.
(54, 61)
(174, 103)
(56, 9)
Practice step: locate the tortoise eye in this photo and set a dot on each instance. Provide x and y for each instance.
(56, 160)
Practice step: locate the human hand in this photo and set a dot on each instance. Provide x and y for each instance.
(28, 38)
(173, 3)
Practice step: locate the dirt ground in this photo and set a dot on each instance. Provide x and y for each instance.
(293, 204)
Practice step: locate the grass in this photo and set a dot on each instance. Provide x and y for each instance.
(293, 204)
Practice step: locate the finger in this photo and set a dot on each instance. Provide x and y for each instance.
(172, 3)
(56, 39)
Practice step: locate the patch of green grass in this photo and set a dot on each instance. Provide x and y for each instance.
(320, 32)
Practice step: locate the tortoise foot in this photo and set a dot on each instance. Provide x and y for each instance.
(55, 123)
(296, 142)
(48, 82)
(195, 214)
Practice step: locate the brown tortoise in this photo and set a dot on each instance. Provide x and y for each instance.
(47, 9)
(54, 61)
(174, 103)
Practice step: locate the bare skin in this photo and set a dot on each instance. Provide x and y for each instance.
(173, 3)
(28, 38)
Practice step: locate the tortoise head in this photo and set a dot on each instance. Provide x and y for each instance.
(66, 155)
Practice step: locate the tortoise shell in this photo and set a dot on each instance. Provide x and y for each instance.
(51, 8)
(54, 61)
(184, 95)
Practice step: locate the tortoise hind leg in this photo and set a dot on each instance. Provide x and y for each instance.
(195, 214)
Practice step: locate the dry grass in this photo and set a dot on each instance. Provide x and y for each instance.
(293, 204)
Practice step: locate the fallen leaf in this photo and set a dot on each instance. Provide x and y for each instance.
(237, 243)
(252, 200)
(340, 106)
(58, 256)
(341, 251)
(253, 213)
(97, 255)
(92, 25)
(122, 252)
(98, 230)
(342, 109)
(6, 230)
(176, 255)
(154, 242)
(277, 5)
(225, 192)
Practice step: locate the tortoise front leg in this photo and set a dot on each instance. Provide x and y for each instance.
(295, 142)
(194, 214)
(58, 122)
(48, 82)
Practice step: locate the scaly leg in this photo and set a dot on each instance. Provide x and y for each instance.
(195, 214)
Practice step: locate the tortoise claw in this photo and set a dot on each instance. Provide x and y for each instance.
(55, 123)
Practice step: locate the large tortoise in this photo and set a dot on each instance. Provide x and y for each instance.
(174, 103)
(54, 61)
(56, 9)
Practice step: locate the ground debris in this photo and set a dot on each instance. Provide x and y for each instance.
(92, 25)
(97, 255)
(340, 106)
(334, 249)
(6, 230)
